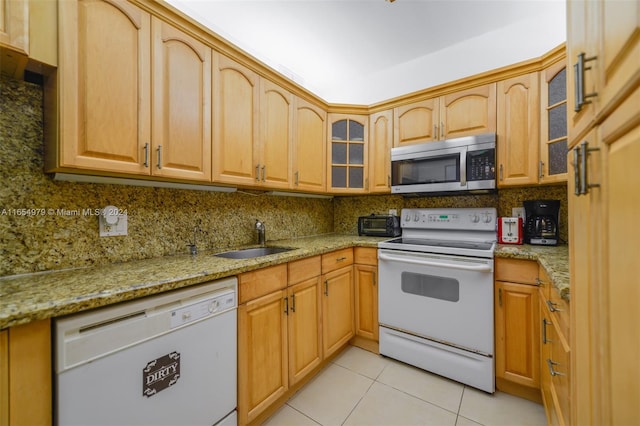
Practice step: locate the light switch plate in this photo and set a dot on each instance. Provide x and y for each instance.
(518, 212)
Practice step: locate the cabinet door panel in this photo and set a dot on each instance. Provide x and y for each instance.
(181, 105)
(518, 133)
(620, 46)
(305, 338)
(14, 25)
(235, 123)
(310, 147)
(417, 122)
(105, 85)
(468, 112)
(381, 135)
(366, 301)
(517, 333)
(337, 309)
(262, 349)
(276, 112)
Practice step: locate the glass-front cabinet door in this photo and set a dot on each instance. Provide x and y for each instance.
(348, 154)
(553, 135)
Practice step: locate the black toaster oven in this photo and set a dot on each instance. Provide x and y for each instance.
(379, 226)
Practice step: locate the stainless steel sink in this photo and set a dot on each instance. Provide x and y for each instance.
(252, 252)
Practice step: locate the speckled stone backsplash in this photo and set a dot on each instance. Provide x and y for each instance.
(160, 221)
(347, 209)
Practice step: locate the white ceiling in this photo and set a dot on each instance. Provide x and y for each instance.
(367, 51)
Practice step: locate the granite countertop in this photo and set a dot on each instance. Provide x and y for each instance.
(554, 259)
(30, 297)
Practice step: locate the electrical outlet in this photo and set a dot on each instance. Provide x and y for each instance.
(517, 212)
(393, 212)
(116, 229)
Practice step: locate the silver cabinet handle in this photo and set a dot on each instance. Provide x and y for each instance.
(258, 172)
(375, 278)
(442, 130)
(297, 178)
(389, 181)
(326, 287)
(553, 372)
(501, 172)
(340, 259)
(264, 173)
(584, 183)
(541, 169)
(552, 306)
(435, 131)
(579, 68)
(159, 156)
(146, 155)
(286, 306)
(293, 302)
(500, 297)
(577, 152)
(544, 331)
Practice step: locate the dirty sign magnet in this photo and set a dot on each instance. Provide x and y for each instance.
(160, 373)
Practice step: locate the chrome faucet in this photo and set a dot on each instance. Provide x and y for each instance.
(193, 248)
(260, 230)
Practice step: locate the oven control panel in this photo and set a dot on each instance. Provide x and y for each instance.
(471, 218)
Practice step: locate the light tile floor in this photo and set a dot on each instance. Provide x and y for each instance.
(361, 388)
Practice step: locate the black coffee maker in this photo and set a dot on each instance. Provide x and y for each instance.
(541, 223)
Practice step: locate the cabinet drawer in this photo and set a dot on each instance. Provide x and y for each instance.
(303, 269)
(336, 260)
(366, 256)
(261, 282)
(517, 271)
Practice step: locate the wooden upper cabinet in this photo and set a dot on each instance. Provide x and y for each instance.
(553, 124)
(606, 33)
(104, 89)
(416, 122)
(468, 112)
(14, 25)
(462, 113)
(235, 125)
(518, 130)
(619, 48)
(380, 143)
(273, 152)
(347, 164)
(309, 147)
(181, 104)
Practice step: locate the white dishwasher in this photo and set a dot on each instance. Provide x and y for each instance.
(161, 360)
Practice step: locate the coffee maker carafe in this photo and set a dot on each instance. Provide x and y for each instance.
(541, 226)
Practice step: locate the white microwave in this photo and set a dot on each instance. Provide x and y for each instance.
(453, 165)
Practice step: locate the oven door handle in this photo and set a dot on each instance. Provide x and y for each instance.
(478, 268)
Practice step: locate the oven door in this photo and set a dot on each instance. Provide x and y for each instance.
(448, 299)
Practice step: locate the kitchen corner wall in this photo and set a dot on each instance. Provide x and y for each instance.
(160, 221)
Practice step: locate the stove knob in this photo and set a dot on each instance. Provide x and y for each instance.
(416, 217)
(474, 218)
(487, 218)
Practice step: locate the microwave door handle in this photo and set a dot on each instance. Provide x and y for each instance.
(463, 168)
(478, 268)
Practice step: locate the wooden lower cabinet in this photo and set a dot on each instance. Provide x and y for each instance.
(305, 337)
(555, 367)
(25, 374)
(517, 328)
(262, 354)
(366, 293)
(337, 309)
(517, 331)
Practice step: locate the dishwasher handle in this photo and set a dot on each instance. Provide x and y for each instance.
(477, 268)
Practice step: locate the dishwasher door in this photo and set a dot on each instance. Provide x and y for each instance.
(162, 360)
